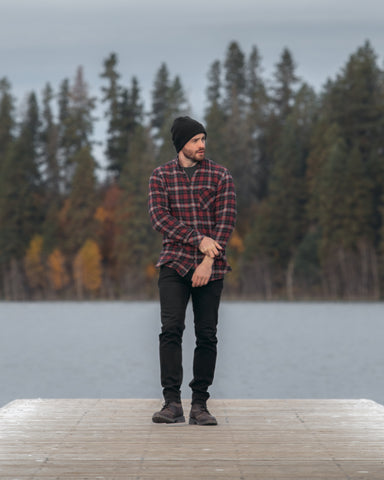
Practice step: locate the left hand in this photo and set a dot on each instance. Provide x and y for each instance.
(203, 273)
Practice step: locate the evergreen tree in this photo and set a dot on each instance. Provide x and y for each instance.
(65, 141)
(235, 80)
(136, 247)
(21, 195)
(281, 101)
(257, 111)
(76, 122)
(160, 95)
(282, 222)
(355, 101)
(49, 140)
(7, 122)
(51, 173)
(125, 113)
(215, 118)
(214, 84)
(345, 200)
(77, 217)
(236, 148)
(112, 96)
(285, 80)
(168, 102)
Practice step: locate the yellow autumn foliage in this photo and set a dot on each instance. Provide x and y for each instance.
(57, 273)
(150, 271)
(34, 267)
(87, 267)
(236, 242)
(101, 214)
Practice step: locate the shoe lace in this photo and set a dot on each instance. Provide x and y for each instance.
(165, 405)
(202, 408)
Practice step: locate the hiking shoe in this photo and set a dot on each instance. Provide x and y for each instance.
(200, 415)
(172, 412)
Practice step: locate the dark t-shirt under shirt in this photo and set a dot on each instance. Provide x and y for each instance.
(190, 170)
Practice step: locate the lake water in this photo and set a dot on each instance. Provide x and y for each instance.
(266, 350)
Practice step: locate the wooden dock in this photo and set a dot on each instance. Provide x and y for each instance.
(255, 439)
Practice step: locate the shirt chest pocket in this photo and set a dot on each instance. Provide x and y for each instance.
(207, 198)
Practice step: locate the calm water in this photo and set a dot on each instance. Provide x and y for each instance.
(266, 350)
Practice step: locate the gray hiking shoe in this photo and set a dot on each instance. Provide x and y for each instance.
(172, 412)
(200, 415)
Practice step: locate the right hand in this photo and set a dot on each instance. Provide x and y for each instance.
(209, 247)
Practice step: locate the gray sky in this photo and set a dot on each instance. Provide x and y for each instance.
(46, 40)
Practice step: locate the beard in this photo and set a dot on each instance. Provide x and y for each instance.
(194, 156)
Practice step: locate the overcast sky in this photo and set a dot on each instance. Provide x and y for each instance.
(46, 40)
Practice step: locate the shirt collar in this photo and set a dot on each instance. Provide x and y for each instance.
(177, 163)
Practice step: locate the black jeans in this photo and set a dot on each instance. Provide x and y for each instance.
(175, 292)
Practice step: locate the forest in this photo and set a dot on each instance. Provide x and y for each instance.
(308, 168)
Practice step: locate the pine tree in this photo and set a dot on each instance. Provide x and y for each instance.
(236, 148)
(168, 102)
(111, 95)
(136, 246)
(160, 95)
(21, 195)
(235, 80)
(7, 121)
(282, 221)
(49, 141)
(76, 123)
(215, 118)
(346, 176)
(124, 112)
(77, 215)
(355, 100)
(214, 88)
(285, 80)
(257, 111)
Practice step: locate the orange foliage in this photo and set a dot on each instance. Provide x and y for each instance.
(101, 214)
(87, 267)
(110, 203)
(151, 271)
(236, 242)
(112, 197)
(108, 225)
(34, 268)
(56, 270)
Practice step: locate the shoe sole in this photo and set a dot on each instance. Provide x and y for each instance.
(193, 421)
(159, 419)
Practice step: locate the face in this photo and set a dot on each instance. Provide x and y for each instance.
(194, 149)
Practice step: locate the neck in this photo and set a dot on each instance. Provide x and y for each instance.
(185, 161)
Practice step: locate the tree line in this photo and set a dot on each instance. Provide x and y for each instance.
(308, 169)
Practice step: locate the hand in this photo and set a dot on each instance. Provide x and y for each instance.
(209, 247)
(203, 273)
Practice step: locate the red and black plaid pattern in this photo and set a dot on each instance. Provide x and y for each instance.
(185, 211)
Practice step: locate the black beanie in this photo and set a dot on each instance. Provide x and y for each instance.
(183, 129)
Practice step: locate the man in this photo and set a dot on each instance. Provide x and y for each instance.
(192, 203)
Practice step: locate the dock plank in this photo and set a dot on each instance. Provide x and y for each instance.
(255, 439)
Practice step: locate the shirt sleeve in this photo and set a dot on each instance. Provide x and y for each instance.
(162, 220)
(225, 211)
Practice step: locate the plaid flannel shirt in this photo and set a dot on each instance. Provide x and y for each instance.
(185, 210)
